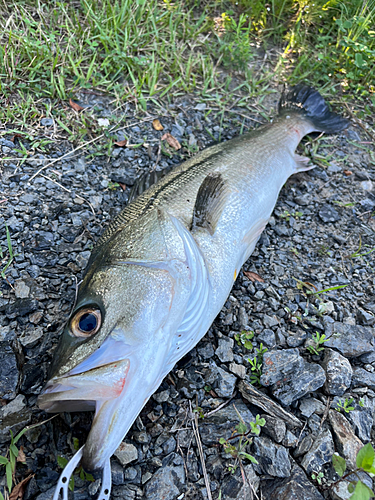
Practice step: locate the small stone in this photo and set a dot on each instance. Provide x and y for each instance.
(46, 122)
(295, 487)
(365, 318)
(207, 351)
(238, 370)
(304, 446)
(35, 317)
(21, 290)
(200, 106)
(167, 483)
(117, 473)
(243, 317)
(8, 372)
(296, 339)
(347, 443)
(277, 364)
(362, 421)
(225, 383)
(162, 396)
(126, 453)
(363, 378)
(308, 406)
(270, 321)
(267, 337)
(338, 372)
(31, 338)
(350, 340)
(290, 440)
(275, 428)
(320, 453)
(273, 459)
(225, 349)
(328, 214)
(367, 185)
(14, 406)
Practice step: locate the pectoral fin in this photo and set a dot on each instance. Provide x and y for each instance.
(302, 163)
(209, 203)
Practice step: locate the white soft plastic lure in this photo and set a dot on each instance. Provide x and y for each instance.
(162, 271)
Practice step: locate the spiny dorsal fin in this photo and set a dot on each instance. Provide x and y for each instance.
(209, 203)
(147, 180)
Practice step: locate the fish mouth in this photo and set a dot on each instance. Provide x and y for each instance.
(86, 389)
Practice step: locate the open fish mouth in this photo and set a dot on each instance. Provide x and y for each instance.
(83, 391)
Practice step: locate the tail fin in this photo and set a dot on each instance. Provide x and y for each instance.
(307, 101)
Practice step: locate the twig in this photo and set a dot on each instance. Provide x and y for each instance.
(194, 421)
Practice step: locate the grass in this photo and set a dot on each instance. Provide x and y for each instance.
(139, 51)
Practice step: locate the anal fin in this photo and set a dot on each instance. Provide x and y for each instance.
(209, 203)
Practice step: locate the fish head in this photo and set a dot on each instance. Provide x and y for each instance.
(111, 353)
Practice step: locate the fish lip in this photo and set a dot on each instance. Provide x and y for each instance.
(83, 390)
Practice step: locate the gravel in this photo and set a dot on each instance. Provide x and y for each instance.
(318, 243)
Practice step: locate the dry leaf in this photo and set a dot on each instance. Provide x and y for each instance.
(75, 106)
(19, 490)
(122, 186)
(21, 455)
(121, 144)
(157, 125)
(253, 276)
(348, 172)
(172, 141)
(15, 136)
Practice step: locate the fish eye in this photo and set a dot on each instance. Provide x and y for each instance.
(86, 322)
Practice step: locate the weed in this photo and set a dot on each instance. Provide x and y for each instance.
(112, 186)
(256, 364)
(357, 253)
(244, 339)
(345, 406)
(317, 477)
(365, 462)
(242, 433)
(287, 215)
(199, 411)
(318, 343)
(310, 289)
(361, 402)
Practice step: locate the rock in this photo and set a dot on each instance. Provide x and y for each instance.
(267, 337)
(200, 106)
(21, 290)
(275, 428)
(233, 487)
(225, 349)
(243, 318)
(296, 339)
(13, 416)
(14, 407)
(328, 214)
(290, 440)
(365, 317)
(295, 487)
(278, 364)
(310, 378)
(270, 321)
(21, 307)
(273, 459)
(8, 372)
(319, 454)
(338, 372)
(350, 340)
(126, 453)
(304, 446)
(238, 370)
(362, 421)
(117, 473)
(347, 443)
(308, 406)
(225, 383)
(32, 337)
(166, 483)
(362, 378)
(207, 351)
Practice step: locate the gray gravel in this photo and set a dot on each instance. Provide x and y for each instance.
(313, 236)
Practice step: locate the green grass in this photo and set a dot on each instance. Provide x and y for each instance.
(138, 50)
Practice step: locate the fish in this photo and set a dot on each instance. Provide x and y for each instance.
(163, 269)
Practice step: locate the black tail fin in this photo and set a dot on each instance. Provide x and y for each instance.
(307, 101)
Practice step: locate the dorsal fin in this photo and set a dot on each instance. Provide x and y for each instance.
(147, 180)
(209, 202)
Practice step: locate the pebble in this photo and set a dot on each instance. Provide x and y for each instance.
(275, 428)
(347, 443)
(338, 372)
(165, 484)
(8, 372)
(126, 453)
(225, 383)
(273, 458)
(328, 214)
(350, 340)
(319, 454)
(362, 421)
(225, 349)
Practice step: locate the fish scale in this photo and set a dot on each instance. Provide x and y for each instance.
(163, 269)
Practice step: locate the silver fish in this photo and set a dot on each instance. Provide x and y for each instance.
(163, 269)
